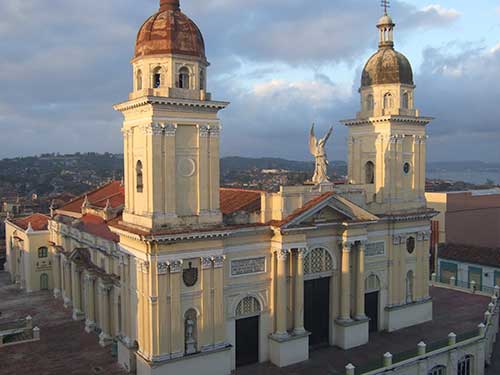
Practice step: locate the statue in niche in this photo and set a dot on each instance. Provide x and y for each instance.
(317, 148)
(190, 332)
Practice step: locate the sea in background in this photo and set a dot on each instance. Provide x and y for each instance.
(473, 177)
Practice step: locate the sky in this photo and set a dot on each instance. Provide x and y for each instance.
(283, 64)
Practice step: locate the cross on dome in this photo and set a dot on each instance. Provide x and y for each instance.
(385, 4)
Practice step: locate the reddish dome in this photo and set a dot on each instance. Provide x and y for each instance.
(169, 31)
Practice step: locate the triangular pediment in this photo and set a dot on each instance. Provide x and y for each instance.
(332, 209)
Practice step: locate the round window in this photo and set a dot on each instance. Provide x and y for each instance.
(406, 168)
(410, 245)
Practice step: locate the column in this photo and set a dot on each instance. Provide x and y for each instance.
(360, 282)
(67, 284)
(345, 299)
(90, 303)
(104, 337)
(426, 265)
(281, 291)
(75, 287)
(299, 293)
(177, 321)
(206, 337)
(218, 303)
(57, 275)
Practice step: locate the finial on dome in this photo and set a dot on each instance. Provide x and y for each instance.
(169, 5)
(385, 4)
(386, 27)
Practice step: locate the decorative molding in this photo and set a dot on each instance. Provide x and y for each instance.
(163, 268)
(170, 130)
(282, 254)
(301, 252)
(204, 130)
(206, 263)
(219, 261)
(176, 266)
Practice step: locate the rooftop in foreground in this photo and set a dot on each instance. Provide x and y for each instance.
(64, 347)
(454, 311)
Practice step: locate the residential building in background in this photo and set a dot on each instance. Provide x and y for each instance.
(469, 236)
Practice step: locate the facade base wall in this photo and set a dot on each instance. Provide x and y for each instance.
(208, 363)
(127, 357)
(351, 334)
(286, 352)
(408, 315)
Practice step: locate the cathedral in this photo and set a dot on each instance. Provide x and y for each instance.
(187, 277)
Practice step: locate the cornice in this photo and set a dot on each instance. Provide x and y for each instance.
(146, 100)
(421, 121)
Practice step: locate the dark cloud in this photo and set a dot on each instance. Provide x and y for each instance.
(64, 63)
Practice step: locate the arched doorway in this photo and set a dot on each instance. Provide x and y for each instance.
(44, 281)
(247, 331)
(372, 295)
(318, 270)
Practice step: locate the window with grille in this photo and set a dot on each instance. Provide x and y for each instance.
(43, 252)
(438, 370)
(465, 365)
(318, 260)
(248, 306)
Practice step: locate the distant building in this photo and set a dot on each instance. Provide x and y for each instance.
(28, 256)
(468, 227)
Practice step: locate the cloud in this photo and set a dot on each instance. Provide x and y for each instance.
(455, 86)
(64, 63)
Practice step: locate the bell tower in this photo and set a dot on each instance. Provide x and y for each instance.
(171, 127)
(387, 140)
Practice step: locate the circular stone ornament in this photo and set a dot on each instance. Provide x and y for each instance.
(186, 167)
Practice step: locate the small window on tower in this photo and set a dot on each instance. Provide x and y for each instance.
(369, 102)
(202, 79)
(406, 168)
(369, 173)
(183, 78)
(406, 100)
(138, 171)
(157, 78)
(388, 100)
(138, 80)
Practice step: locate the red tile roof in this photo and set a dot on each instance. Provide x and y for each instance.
(233, 200)
(485, 256)
(38, 222)
(98, 227)
(114, 191)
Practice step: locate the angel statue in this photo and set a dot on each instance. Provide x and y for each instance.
(317, 149)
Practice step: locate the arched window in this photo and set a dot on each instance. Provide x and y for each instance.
(372, 284)
(139, 178)
(369, 102)
(405, 101)
(190, 331)
(409, 287)
(388, 100)
(317, 261)
(183, 78)
(248, 306)
(369, 173)
(138, 80)
(43, 252)
(438, 370)
(202, 79)
(44, 281)
(157, 78)
(465, 365)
